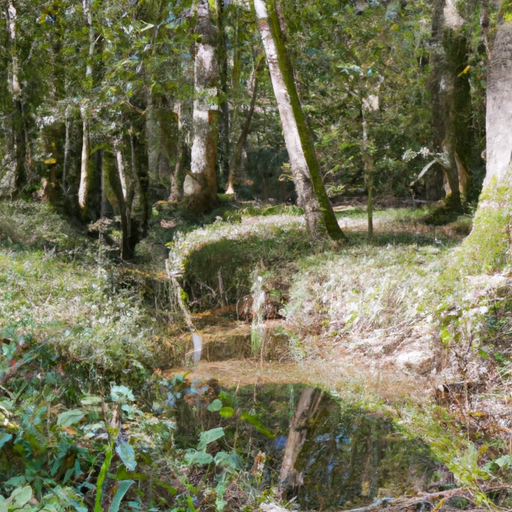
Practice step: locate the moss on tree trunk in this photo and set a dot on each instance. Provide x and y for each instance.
(488, 246)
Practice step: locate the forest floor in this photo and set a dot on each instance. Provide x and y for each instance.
(389, 324)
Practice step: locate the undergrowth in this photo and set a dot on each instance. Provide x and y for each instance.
(218, 262)
(72, 438)
(83, 415)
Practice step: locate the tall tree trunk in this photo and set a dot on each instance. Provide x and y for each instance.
(182, 158)
(237, 152)
(368, 170)
(140, 178)
(122, 184)
(67, 148)
(200, 185)
(14, 78)
(152, 137)
(319, 215)
(15, 171)
(224, 105)
(85, 160)
(489, 244)
(451, 99)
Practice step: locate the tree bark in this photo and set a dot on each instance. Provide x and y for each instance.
(152, 137)
(200, 185)
(224, 105)
(368, 171)
(84, 161)
(85, 177)
(490, 240)
(237, 152)
(14, 166)
(122, 185)
(451, 100)
(312, 197)
(67, 148)
(182, 158)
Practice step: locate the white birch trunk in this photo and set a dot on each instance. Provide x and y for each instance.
(84, 163)
(121, 168)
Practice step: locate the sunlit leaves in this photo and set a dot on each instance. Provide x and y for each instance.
(68, 418)
(127, 455)
(209, 436)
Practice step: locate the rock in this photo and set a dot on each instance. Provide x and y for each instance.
(417, 361)
(272, 507)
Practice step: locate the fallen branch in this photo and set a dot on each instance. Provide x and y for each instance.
(429, 499)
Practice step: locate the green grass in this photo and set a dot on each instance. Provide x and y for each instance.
(55, 285)
(65, 288)
(229, 255)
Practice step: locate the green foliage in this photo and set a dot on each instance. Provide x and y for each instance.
(489, 240)
(37, 226)
(344, 57)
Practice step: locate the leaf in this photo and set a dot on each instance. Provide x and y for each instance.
(91, 400)
(198, 457)
(127, 454)
(122, 489)
(4, 438)
(466, 69)
(209, 436)
(21, 496)
(215, 406)
(227, 460)
(121, 394)
(446, 336)
(68, 418)
(255, 422)
(69, 497)
(190, 504)
(503, 462)
(69, 430)
(227, 412)
(15, 481)
(147, 27)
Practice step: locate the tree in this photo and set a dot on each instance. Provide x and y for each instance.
(451, 99)
(200, 186)
(312, 197)
(307, 408)
(237, 151)
(490, 240)
(84, 111)
(14, 159)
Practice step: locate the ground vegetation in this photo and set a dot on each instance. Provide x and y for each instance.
(255, 255)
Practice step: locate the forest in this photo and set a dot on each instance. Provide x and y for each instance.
(255, 255)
